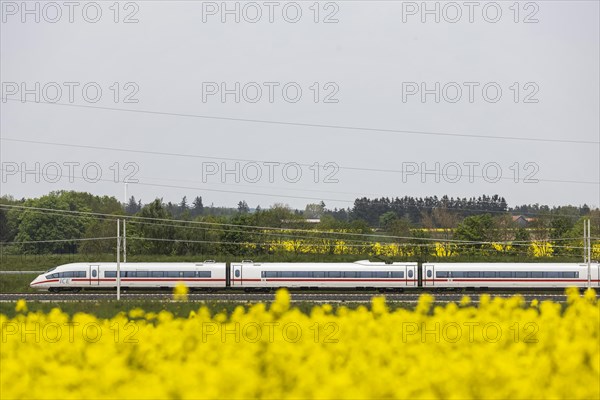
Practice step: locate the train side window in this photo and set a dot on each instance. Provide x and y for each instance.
(319, 274)
(334, 274)
(94, 273)
(157, 274)
(552, 274)
(397, 274)
(410, 273)
(489, 274)
(302, 274)
(110, 274)
(142, 274)
(204, 274)
(458, 274)
(537, 274)
(349, 274)
(441, 274)
(569, 274)
(429, 273)
(287, 274)
(505, 274)
(172, 274)
(520, 274)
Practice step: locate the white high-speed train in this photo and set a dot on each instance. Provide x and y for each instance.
(361, 274)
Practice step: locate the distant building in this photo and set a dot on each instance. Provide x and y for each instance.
(521, 220)
(307, 220)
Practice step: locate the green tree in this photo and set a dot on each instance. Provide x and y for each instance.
(314, 210)
(198, 207)
(477, 228)
(49, 229)
(236, 240)
(154, 233)
(386, 219)
(243, 207)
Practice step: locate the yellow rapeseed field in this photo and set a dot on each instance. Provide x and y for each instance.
(497, 349)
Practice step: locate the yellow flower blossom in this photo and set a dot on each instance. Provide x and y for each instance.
(21, 306)
(180, 292)
(495, 349)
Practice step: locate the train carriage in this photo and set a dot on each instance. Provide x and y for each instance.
(360, 274)
(508, 275)
(76, 276)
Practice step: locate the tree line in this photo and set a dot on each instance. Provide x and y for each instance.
(467, 225)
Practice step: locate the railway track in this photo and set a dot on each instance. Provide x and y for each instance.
(411, 297)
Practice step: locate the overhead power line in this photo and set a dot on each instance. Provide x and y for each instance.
(311, 231)
(280, 244)
(57, 240)
(321, 166)
(310, 125)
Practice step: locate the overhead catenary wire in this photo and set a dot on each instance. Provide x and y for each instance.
(265, 244)
(185, 155)
(228, 230)
(133, 218)
(56, 240)
(444, 204)
(307, 125)
(409, 238)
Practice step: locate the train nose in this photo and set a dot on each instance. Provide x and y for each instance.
(34, 283)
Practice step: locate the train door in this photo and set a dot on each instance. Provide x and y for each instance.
(411, 275)
(236, 275)
(428, 275)
(94, 275)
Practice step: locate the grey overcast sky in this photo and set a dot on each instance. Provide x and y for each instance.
(294, 83)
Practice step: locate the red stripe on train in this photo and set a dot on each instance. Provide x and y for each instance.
(337, 280)
(48, 281)
(507, 280)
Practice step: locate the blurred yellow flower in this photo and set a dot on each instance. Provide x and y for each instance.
(280, 352)
(180, 292)
(21, 306)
